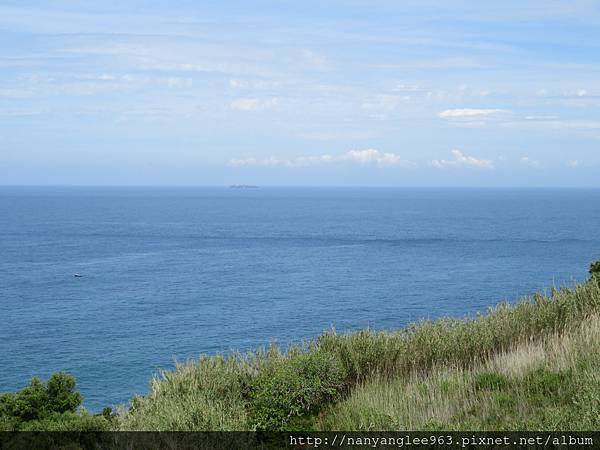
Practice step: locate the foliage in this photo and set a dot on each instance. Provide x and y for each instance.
(68, 421)
(490, 381)
(289, 388)
(595, 271)
(47, 406)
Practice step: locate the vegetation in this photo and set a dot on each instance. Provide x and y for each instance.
(550, 383)
(595, 271)
(529, 365)
(322, 385)
(47, 406)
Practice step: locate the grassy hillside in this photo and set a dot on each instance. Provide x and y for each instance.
(491, 372)
(547, 383)
(529, 365)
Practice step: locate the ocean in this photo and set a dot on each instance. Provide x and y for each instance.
(168, 274)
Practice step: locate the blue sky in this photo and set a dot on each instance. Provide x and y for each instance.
(411, 93)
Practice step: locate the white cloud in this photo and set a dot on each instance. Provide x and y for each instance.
(462, 160)
(303, 161)
(431, 64)
(235, 83)
(15, 93)
(402, 87)
(23, 112)
(311, 60)
(541, 117)
(178, 82)
(368, 156)
(527, 161)
(252, 104)
(566, 124)
(256, 162)
(362, 156)
(471, 113)
(300, 161)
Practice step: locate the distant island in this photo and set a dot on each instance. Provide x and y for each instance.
(243, 186)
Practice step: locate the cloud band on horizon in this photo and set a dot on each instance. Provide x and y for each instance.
(368, 156)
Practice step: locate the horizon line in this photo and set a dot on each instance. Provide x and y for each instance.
(294, 186)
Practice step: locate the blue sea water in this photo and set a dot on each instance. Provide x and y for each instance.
(169, 274)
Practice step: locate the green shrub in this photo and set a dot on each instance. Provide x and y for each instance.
(546, 383)
(586, 404)
(30, 403)
(62, 396)
(490, 381)
(41, 406)
(505, 400)
(291, 387)
(595, 271)
(68, 421)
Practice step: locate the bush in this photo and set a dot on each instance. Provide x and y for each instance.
(545, 383)
(291, 387)
(68, 421)
(47, 406)
(490, 381)
(62, 396)
(595, 271)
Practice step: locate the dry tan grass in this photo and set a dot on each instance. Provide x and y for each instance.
(447, 394)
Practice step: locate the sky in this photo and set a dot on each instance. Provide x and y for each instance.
(319, 93)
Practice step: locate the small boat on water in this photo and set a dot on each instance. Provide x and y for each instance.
(77, 275)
